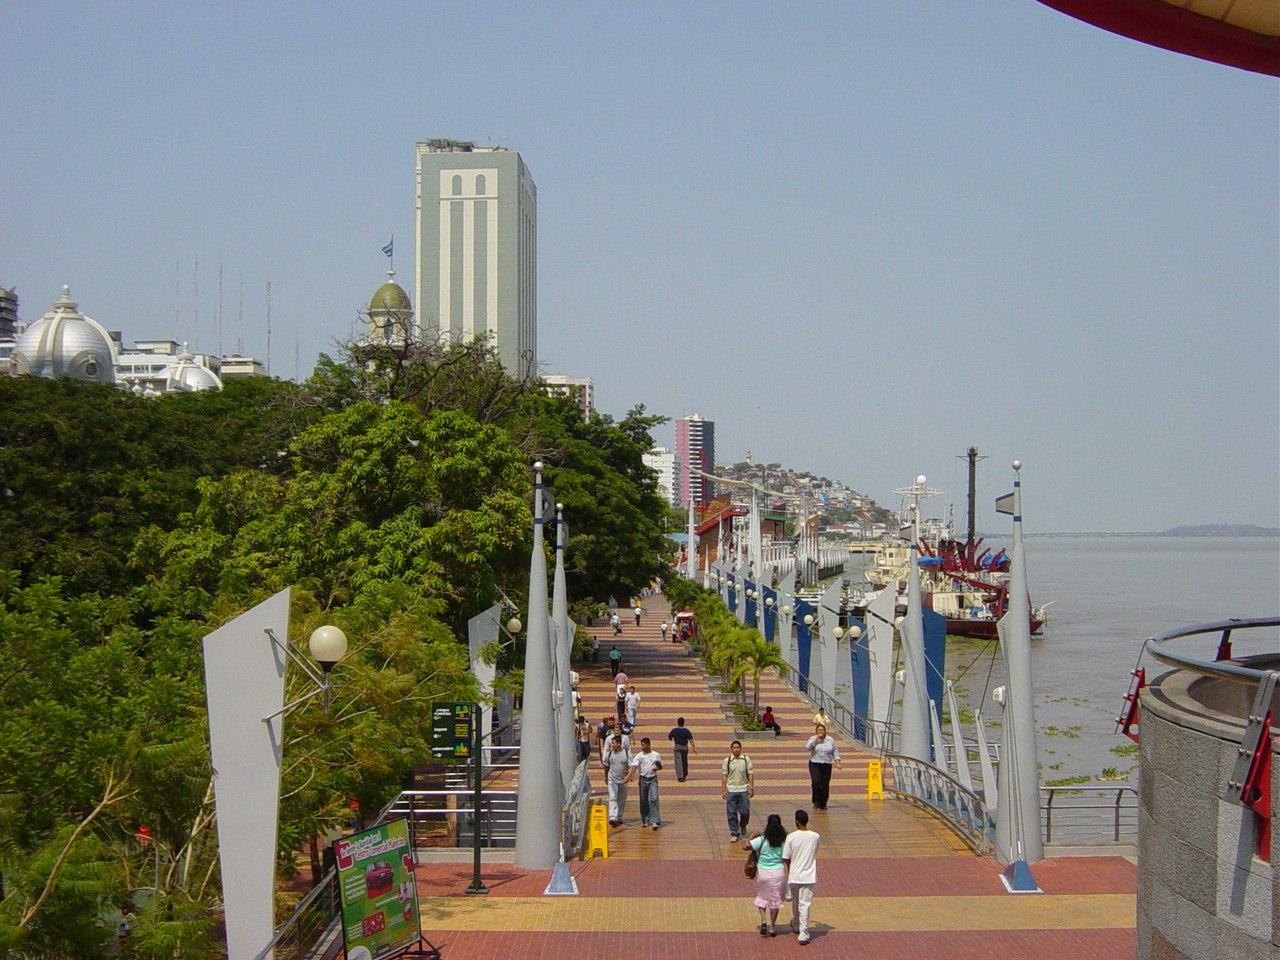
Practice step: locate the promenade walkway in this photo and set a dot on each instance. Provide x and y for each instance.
(894, 882)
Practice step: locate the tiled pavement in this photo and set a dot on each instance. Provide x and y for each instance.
(893, 881)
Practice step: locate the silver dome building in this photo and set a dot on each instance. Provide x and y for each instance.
(188, 375)
(65, 343)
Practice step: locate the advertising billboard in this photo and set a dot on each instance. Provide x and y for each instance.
(379, 895)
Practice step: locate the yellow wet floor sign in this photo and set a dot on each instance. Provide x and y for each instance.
(598, 832)
(875, 780)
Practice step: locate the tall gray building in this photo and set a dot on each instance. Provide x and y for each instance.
(477, 257)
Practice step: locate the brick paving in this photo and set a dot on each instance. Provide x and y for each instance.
(894, 882)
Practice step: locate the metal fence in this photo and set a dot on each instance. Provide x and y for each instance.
(573, 815)
(1089, 813)
(930, 787)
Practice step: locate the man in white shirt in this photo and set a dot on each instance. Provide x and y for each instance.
(617, 765)
(646, 764)
(800, 854)
(665, 627)
(633, 705)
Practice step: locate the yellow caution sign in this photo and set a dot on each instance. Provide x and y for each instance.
(598, 832)
(875, 781)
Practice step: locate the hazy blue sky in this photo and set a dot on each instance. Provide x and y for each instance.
(859, 236)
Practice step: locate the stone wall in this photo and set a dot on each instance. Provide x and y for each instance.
(1202, 893)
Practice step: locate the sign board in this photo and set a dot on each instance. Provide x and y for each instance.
(379, 894)
(875, 780)
(451, 730)
(598, 832)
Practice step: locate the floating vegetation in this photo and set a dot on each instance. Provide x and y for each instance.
(1111, 773)
(1126, 750)
(1069, 781)
(1071, 733)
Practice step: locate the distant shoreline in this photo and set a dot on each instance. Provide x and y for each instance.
(1177, 533)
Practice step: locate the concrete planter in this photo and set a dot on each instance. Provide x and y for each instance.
(753, 734)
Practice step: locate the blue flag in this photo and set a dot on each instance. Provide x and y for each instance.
(390, 246)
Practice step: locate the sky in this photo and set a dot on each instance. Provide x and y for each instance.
(860, 237)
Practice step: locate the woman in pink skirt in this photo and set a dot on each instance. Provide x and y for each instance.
(771, 873)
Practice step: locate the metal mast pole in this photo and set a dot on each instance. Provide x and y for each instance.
(915, 696)
(691, 548)
(563, 632)
(538, 795)
(973, 496)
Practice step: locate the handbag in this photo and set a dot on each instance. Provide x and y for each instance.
(752, 862)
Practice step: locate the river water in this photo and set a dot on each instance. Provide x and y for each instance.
(1110, 593)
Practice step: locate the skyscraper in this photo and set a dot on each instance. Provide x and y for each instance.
(477, 249)
(695, 453)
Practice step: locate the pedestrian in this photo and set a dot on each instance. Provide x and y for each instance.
(577, 703)
(682, 741)
(800, 854)
(637, 612)
(770, 721)
(665, 626)
(583, 727)
(737, 787)
(646, 765)
(820, 720)
(615, 659)
(616, 623)
(617, 765)
(633, 704)
(604, 733)
(771, 873)
(823, 752)
(620, 691)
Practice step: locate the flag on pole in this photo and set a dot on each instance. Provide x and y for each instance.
(1008, 504)
(387, 250)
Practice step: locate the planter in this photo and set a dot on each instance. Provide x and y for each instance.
(753, 734)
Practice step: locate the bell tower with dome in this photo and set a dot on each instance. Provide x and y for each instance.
(390, 314)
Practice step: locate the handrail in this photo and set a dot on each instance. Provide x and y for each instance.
(1224, 669)
(925, 784)
(842, 717)
(1117, 807)
(573, 815)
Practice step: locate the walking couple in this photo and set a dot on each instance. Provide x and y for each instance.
(786, 866)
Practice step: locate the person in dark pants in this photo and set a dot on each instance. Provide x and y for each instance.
(737, 786)
(621, 691)
(681, 738)
(823, 754)
(615, 660)
(770, 721)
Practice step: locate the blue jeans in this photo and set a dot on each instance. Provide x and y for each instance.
(737, 808)
(649, 801)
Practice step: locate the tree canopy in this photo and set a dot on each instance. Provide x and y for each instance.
(391, 491)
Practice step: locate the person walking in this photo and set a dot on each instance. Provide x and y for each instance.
(820, 720)
(616, 623)
(681, 738)
(770, 721)
(617, 765)
(605, 733)
(823, 753)
(620, 693)
(633, 704)
(664, 628)
(771, 873)
(583, 731)
(800, 854)
(637, 612)
(737, 787)
(615, 659)
(646, 765)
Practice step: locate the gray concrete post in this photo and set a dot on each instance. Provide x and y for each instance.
(565, 734)
(1020, 775)
(538, 794)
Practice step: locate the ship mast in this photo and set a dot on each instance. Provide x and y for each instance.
(973, 458)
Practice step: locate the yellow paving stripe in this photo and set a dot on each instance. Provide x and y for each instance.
(726, 914)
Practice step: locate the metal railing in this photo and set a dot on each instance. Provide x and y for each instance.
(425, 808)
(311, 928)
(876, 734)
(1085, 813)
(925, 784)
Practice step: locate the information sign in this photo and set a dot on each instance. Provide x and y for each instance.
(379, 894)
(451, 730)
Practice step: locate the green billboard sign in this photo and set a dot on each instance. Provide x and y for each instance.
(451, 730)
(379, 895)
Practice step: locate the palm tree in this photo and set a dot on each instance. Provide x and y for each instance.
(754, 656)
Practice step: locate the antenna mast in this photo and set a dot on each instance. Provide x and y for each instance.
(973, 458)
(195, 303)
(240, 321)
(268, 328)
(219, 307)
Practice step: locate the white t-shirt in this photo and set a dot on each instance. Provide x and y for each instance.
(621, 690)
(646, 763)
(633, 701)
(606, 745)
(801, 848)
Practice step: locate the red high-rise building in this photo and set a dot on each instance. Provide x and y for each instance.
(695, 454)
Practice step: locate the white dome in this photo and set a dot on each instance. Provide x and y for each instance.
(65, 343)
(187, 374)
